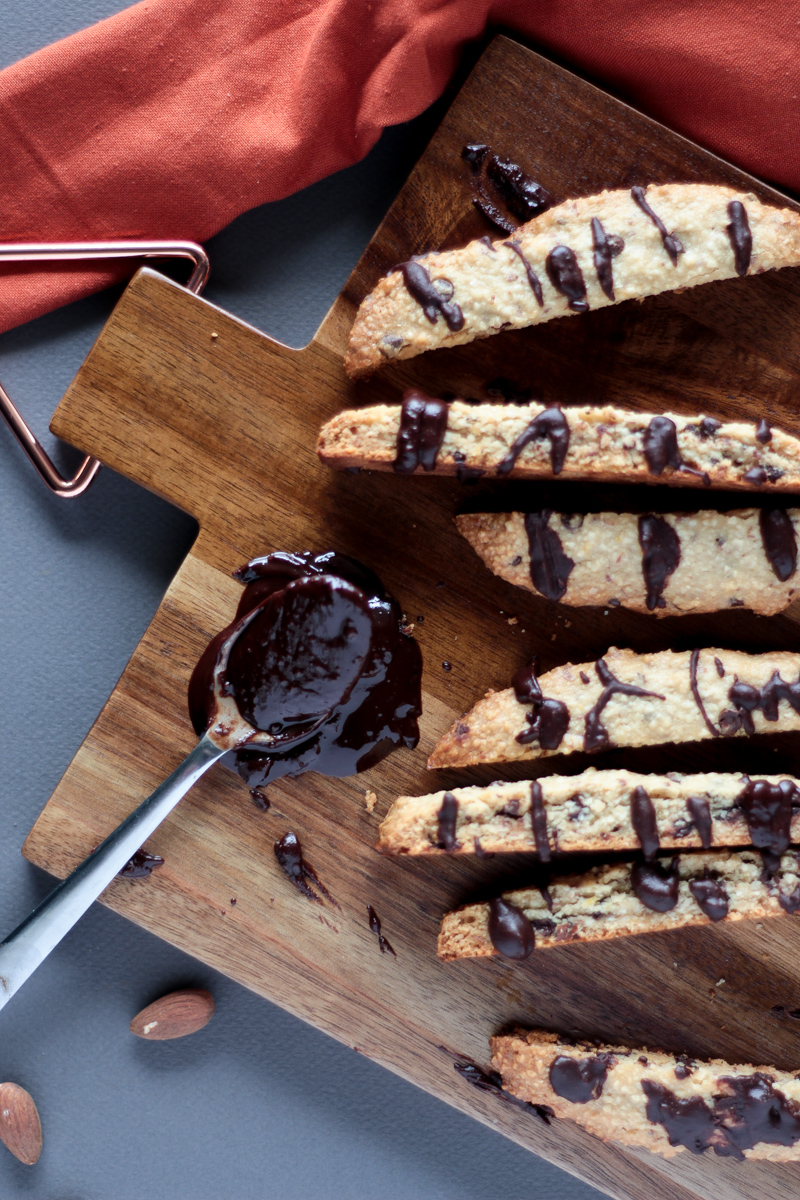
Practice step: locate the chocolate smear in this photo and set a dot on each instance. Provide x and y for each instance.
(754, 1110)
(656, 885)
(660, 447)
(596, 735)
(447, 817)
(551, 424)
(510, 931)
(298, 870)
(375, 925)
(524, 197)
(768, 809)
(700, 813)
(741, 238)
(661, 555)
(579, 1079)
(539, 822)
(645, 825)
(533, 278)
(711, 897)
(488, 209)
(423, 424)
(779, 541)
(475, 153)
(672, 245)
(492, 1082)
(566, 277)
(432, 300)
(140, 865)
(550, 566)
(687, 1121)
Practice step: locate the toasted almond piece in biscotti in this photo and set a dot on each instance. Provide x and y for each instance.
(615, 901)
(570, 260)
(667, 1103)
(529, 441)
(667, 564)
(628, 699)
(596, 810)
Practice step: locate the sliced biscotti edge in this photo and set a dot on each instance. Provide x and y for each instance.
(626, 1095)
(604, 902)
(578, 813)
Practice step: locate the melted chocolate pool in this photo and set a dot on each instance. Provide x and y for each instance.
(324, 666)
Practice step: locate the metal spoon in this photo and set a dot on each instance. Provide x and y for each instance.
(39, 933)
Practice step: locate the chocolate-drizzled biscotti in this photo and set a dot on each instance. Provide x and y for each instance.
(596, 810)
(667, 564)
(581, 255)
(625, 899)
(628, 699)
(664, 1102)
(530, 441)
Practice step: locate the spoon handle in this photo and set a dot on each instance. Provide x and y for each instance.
(39, 933)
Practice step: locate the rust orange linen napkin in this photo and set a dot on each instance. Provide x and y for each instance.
(174, 116)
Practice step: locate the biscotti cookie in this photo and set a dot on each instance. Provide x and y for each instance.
(664, 1102)
(625, 899)
(597, 810)
(668, 564)
(583, 254)
(628, 699)
(529, 441)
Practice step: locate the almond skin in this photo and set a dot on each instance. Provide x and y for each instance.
(174, 1015)
(20, 1127)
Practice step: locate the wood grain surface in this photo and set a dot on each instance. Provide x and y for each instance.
(224, 426)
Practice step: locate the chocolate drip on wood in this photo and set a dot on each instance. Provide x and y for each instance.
(566, 277)
(596, 735)
(661, 555)
(551, 424)
(375, 925)
(550, 566)
(297, 869)
(475, 153)
(603, 257)
(693, 661)
(423, 424)
(655, 885)
(523, 195)
(672, 245)
(488, 209)
(140, 865)
(711, 897)
(431, 300)
(579, 1079)
(699, 811)
(741, 238)
(539, 822)
(533, 278)
(510, 931)
(768, 808)
(447, 817)
(660, 447)
(645, 825)
(779, 541)
(492, 1082)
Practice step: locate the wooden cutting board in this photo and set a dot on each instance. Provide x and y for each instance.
(220, 420)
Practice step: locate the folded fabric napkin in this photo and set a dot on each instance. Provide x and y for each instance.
(174, 116)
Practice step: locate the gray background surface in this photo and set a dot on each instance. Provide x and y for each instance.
(257, 1104)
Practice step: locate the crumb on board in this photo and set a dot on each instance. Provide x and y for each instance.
(513, 621)
(370, 800)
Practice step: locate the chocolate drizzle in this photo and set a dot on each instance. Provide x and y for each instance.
(768, 808)
(539, 822)
(754, 1111)
(699, 811)
(548, 719)
(672, 245)
(375, 925)
(551, 424)
(550, 566)
(525, 683)
(533, 278)
(779, 541)
(645, 825)
(446, 818)
(432, 300)
(747, 699)
(741, 238)
(693, 661)
(140, 865)
(656, 884)
(688, 1121)
(423, 424)
(596, 735)
(492, 1082)
(763, 432)
(660, 447)
(579, 1079)
(661, 554)
(297, 870)
(606, 248)
(566, 277)
(711, 897)
(510, 931)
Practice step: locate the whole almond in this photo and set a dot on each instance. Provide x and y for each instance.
(20, 1127)
(174, 1015)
